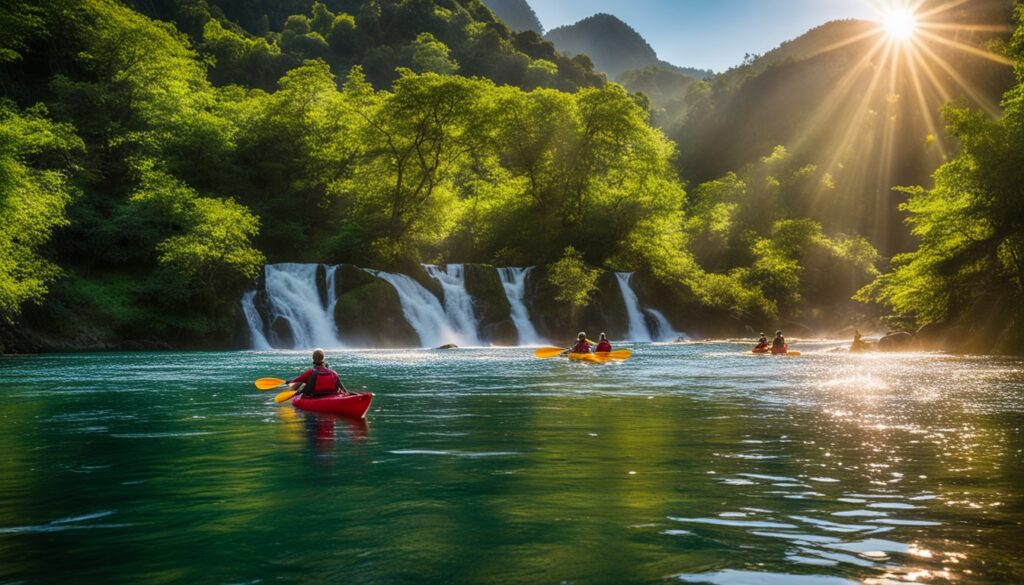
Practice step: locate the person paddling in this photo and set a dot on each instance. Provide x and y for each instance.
(779, 343)
(319, 380)
(762, 343)
(603, 344)
(581, 344)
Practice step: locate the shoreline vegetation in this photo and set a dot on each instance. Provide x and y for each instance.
(154, 159)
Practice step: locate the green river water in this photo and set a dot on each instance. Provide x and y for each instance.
(688, 463)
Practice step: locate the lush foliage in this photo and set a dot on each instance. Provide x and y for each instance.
(969, 266)
(572, 277)
(33, 196)
(349, 132)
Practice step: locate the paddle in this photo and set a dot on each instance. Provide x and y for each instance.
(549, 352)
(282, 396)
(618, 354)
(269, 383)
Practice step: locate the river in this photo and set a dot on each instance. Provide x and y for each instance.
(688, 463)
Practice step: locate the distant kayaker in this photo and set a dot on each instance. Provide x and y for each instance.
(603, 344)
(581, 344)
(762, 343)
(779, 343)
(319, 380)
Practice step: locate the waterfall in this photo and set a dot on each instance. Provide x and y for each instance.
(458, 305)
(665, 331)
(514, 282)
(252, 317)
(292, 292)
(421, 309)
(637, 324)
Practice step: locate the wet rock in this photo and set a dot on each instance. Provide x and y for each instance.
(490, 304)
(370, 315)
(448, 346)
(281, 333)
(896, 341)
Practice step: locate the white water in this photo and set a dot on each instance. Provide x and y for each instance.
(637, 324)
(252, 317)
(514, 281)
(665, 331)
(292, 292)
(422, 310)
(458, 304)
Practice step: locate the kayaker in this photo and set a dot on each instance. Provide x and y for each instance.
(319, 380)
(603, 344)
(581, 344)
(779, 343)
(762, 343)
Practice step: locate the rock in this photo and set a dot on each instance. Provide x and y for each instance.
(281, 334)
(370, 315)
(896, 341)
(448, 346)
(556, 320)
(490, 304)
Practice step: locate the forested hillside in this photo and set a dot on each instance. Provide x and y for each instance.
(613, 46)
(517, 14)
(152, 166)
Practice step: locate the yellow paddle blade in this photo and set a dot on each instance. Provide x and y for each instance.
(269, 383)
(618, 354)
(793, 353)
(282, 396)
(549, 352)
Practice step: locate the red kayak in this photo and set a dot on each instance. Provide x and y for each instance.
(353, 405)
(780, 350)
(761, 350)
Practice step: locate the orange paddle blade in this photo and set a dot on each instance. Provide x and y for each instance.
(282, 396)
(269, 383)
(549, 352)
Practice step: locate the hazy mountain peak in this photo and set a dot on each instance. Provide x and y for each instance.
(516, 14)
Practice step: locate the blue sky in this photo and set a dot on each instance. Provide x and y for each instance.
(709, 34)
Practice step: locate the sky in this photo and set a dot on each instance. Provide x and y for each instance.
(708, 34)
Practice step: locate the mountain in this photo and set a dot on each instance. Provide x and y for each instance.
(516, 14)
(612, 45)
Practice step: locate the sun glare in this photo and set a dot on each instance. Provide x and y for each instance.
(901, 24)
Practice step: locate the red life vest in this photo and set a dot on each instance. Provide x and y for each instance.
(581, 347)
(604, 345)
(320, 380)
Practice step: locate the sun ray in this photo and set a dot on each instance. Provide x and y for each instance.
(926, 112)
(995, 28)
(981, 100)
(968, 48)
(834, 99)
(940, 9)
(936, 84)
(844, 43)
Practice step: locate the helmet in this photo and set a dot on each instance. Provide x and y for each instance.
(603, 336)
(582, 335)
(779, 332)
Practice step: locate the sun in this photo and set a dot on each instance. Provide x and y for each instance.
(900, 23)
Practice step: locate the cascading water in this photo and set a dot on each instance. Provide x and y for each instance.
(665, 332)
(292, 292)
(514, 281)
(458, 305)
(637, 324)
(255, 322)
(422, 310)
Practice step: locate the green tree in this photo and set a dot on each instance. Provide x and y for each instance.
(574, 280)
(34, 192)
